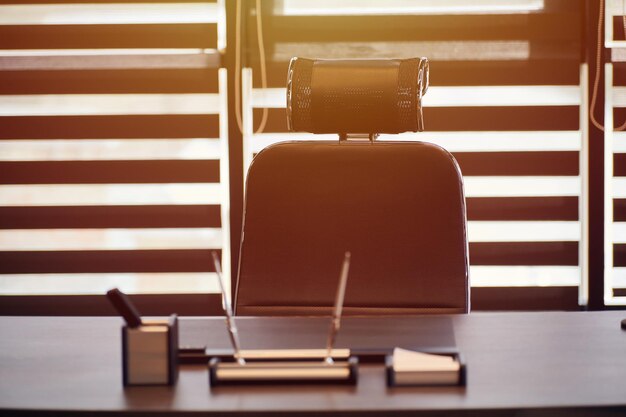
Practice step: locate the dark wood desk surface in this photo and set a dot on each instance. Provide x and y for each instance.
(518, 363)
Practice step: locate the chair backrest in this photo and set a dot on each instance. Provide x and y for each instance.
(398, 207)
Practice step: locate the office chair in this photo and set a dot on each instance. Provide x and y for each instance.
(398, 207)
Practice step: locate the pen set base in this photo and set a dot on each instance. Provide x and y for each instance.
(283, 370)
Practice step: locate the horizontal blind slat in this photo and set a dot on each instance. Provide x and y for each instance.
(106, 261)
(524, 253)
(532, 71)
(565, 25)
(446, 119)
(525, 298)
(619, 164)
(517, 163)
(108, 172)
(195, 260)
(90, 217)
(108, 36)
(619, 209)
(522, 208)
(548, 208)
(107, 127)
(619, 255)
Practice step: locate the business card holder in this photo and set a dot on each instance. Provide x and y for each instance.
(287, 369)
(426, 369)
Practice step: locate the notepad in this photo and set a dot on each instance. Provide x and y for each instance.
(418, 368)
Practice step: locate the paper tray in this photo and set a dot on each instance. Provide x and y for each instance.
(344, 372)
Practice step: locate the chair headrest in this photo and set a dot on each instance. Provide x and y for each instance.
(356, 96)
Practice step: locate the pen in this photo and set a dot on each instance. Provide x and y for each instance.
(336, 319)
(124, 307)
(228, 312)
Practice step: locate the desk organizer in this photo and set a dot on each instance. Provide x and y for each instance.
(281, 371)
(150, 352)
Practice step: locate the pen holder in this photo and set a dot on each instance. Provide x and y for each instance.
(287, 370)
(150, 352)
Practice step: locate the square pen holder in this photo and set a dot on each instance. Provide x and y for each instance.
(150, 352)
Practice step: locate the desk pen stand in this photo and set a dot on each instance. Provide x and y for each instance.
(283, 371)
(150, 352)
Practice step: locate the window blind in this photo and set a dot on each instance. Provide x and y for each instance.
(113, 147)
(615, 157)
(507, 98)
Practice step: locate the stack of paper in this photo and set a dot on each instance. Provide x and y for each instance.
(417, 368)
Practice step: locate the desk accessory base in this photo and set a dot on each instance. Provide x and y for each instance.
(283, 371)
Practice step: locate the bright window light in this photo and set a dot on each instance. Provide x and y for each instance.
(524, 276)
(130, 283)
(108, 194)
(109, 149)
(104, 51)
(452, 50)
(111, 13)
(109, 239)
(365, 7)
(107, 104)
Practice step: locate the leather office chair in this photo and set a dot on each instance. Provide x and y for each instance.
(398, 207)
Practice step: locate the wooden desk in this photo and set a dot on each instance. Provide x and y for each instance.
(543, 364)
